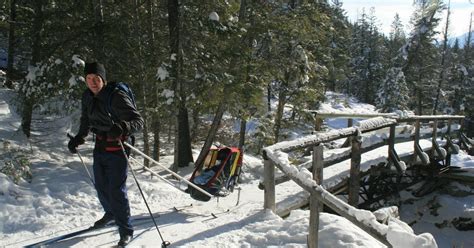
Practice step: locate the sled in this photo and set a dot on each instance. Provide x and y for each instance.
(218, 174)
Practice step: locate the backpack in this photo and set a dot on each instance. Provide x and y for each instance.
(108, 107)
(122, 87)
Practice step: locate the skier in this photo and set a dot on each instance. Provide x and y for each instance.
(110, 164)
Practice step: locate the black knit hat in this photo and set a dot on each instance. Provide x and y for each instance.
(95, 68)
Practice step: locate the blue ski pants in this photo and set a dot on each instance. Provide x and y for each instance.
(110, 175)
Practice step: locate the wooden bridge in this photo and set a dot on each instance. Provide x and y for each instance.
(410, 150)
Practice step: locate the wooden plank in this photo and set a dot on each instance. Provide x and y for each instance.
(391, 139)
(318, 164)
(416, 139)
(269, 184)
(315, 205)
(354, 179)
(458, 177)
(449, 144)
(318, 123)
(434, 135)
(348, 142)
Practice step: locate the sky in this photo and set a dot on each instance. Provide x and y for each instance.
(385, 11)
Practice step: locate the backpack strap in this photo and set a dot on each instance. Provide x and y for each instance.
(108, 105)
(114, 87)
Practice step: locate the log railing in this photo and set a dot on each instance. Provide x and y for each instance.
(319, 195)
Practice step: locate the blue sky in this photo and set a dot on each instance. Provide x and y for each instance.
(385, 11)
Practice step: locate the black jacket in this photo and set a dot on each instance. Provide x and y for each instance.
(94, 116)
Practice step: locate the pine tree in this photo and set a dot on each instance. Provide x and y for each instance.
(338, 57)
(393, 93)
(467, 69)
(290, 55)
(49, 27)
(439, 100)
(12, 45)
(419, 55)
(367, 63)
(397, 39)
(455, 80)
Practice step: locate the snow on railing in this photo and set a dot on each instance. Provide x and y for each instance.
(276, 155)
(315, 139)
(375, 123)
(334, 114)
(431, 117)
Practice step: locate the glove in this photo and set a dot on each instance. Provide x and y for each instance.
(118, 129)
(74, 143)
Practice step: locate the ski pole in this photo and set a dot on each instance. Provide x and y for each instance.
(152, 172)
(164, 243)
(82, 161)
(168, 170)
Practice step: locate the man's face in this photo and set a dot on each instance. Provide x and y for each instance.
(94, 83)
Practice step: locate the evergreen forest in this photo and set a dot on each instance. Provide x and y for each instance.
(194, 63)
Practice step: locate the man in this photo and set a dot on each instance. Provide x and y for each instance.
(110, 164)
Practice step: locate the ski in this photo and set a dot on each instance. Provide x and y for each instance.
(179, 209)
(66, 236)
(82, 231)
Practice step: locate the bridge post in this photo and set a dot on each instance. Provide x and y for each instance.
(315, 206)
(318, 122)
(354, 179)
(448, 143)
(391, 140)
(416, 140)
(269, 183)
(348, 142)
(434, 136)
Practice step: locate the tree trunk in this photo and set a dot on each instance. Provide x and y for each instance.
(279, 114)
(195, 126)
(156, 126)
(419, 105)
(170, 130)
(99, 49)
(142, 80)
(220, 109)
(442, 76)
(212, 132)
(185, 155)
(11, 44)
(243, 127)
(467, 46)
(242, 10)
(243, 120)
(27, 111)
(269, 97)
(155, 117)
(173, 24)
(146, 136)
(175, 166)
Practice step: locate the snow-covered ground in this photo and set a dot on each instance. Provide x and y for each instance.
(60, 199)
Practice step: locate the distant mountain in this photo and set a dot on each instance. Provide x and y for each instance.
(462, 39)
